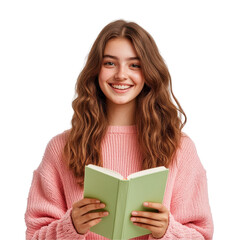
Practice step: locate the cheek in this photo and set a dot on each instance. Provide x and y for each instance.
(104, 75)
(101, 79)
(139, 80)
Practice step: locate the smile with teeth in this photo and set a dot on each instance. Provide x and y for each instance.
(120, 86)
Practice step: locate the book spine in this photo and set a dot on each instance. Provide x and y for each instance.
(120, 209)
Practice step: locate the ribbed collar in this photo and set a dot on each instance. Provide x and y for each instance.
(122, 129)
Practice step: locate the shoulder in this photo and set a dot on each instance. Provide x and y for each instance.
(57, 143)
(53, 155)
(187, 145)
(187, 156)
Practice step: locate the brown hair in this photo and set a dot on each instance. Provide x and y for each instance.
(158, 120)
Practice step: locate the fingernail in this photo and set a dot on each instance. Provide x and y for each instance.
(102, 205)
(105, 213)
(145, 204)
(97, 201)
(133, 219)
(134, 213)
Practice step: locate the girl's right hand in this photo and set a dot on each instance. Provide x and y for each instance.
(82, 216)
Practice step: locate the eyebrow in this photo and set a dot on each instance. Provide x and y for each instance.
(114, 57)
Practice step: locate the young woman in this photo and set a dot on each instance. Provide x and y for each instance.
(124, 119)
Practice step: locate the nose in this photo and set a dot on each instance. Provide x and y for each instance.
(121, 73)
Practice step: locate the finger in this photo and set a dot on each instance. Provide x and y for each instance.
(91, 223)
(149, 227)
(85, 227)
(85, 201)
(78, 213)
(91, 216)
(151, 215)
(160, 207)
(146, 221)
(90, 207)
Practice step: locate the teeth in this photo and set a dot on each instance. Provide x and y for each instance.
(120, 86)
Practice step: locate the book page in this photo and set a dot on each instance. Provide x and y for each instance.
(146, 188)
(104, 187)
(106, 171)
(146, 172)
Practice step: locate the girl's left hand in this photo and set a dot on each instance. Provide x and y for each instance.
(157, 223)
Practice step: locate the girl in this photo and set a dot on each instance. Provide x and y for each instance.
(124, 119)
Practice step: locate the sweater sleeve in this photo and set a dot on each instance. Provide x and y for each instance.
(47, 216)
(190, 214)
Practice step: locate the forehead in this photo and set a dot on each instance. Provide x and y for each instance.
(120, 47)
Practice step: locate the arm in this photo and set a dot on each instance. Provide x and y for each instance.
(47, 216)
(193, 219)
(190, 215)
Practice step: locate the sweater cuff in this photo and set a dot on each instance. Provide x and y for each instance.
(69, 228)
(176, 230)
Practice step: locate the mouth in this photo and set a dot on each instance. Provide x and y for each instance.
(120, 86)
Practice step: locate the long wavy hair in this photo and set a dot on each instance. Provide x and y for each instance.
(158, 118)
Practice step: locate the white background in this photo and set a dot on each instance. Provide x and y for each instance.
(43, 47)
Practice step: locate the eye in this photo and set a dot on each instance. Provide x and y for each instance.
(135, 65)
(108, 64)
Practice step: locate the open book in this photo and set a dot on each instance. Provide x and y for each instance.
(122, 196)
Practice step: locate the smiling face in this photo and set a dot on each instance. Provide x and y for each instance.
(120, 77)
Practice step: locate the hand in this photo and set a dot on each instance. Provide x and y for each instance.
(157, 223)
(82, 216)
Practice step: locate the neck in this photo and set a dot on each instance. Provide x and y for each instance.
(121, 114)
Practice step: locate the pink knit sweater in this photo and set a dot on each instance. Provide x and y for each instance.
(54, 189)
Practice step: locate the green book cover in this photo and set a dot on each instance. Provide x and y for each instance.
(123, 196)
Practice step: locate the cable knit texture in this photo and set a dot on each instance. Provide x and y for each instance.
(54, 189)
